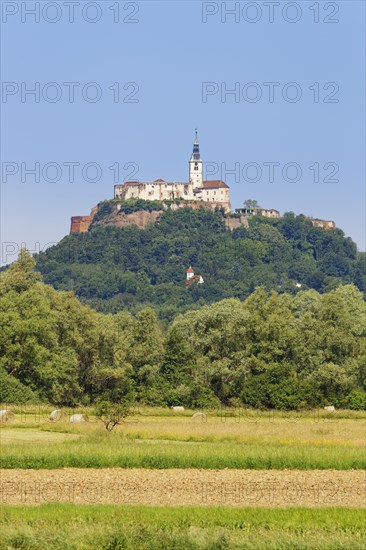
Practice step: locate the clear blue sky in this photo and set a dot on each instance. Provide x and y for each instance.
(169, 53)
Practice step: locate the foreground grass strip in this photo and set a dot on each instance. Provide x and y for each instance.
(212, 457)
(70, 527)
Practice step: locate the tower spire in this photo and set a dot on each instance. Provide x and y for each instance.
(195, 163)
(196, 149)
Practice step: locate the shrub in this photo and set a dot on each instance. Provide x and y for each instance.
(356, 400)
(13, 391)
(279, 388)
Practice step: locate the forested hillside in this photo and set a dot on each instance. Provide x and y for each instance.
(114, 268)
(270, 351)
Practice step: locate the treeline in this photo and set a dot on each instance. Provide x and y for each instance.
(270, 351)
(114, 269)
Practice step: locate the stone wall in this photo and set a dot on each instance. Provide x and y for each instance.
(325, 224)
(80, 224)
(196, 205)
(234, 223)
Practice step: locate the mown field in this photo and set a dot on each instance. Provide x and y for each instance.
(66, 527)
(162, 439)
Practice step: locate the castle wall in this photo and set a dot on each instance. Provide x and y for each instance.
(220, 195)
(160, 190)
(201, 203)
(325, 224)
(234, 223)
(270, 213)
(154, 191)
(80, 224)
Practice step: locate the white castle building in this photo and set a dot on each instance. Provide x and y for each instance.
(215, 192)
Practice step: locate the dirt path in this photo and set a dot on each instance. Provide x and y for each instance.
(313, 488)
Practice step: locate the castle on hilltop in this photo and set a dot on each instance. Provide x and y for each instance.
(195, 193)
(215, 192)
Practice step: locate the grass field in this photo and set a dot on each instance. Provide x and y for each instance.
(171, 441)
(66, 527)
(160, 439)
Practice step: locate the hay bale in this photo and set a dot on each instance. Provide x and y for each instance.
(178, 408)
(6, 416)
(199, 416)
(330, 408)
(75, 418)
(57, 415)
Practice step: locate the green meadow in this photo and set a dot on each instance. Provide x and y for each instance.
(163, 439)
(67, 527)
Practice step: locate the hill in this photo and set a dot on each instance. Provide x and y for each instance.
(114, 268)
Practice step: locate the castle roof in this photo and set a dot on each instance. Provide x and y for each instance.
(206, 184)
(214, 184)
(190, 270)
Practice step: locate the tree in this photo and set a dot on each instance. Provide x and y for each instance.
(147, 346)
(56, 347)
(20, 275)
(251, 203)
(112, 414)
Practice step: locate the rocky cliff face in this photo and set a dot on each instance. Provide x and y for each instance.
(141, 218)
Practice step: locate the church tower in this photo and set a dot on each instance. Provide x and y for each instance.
(195, 165)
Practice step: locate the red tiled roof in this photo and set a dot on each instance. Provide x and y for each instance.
(158, 182)
(206, 184)
(190, 270)
(214, 184)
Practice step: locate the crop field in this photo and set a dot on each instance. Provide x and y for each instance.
(165, 480)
